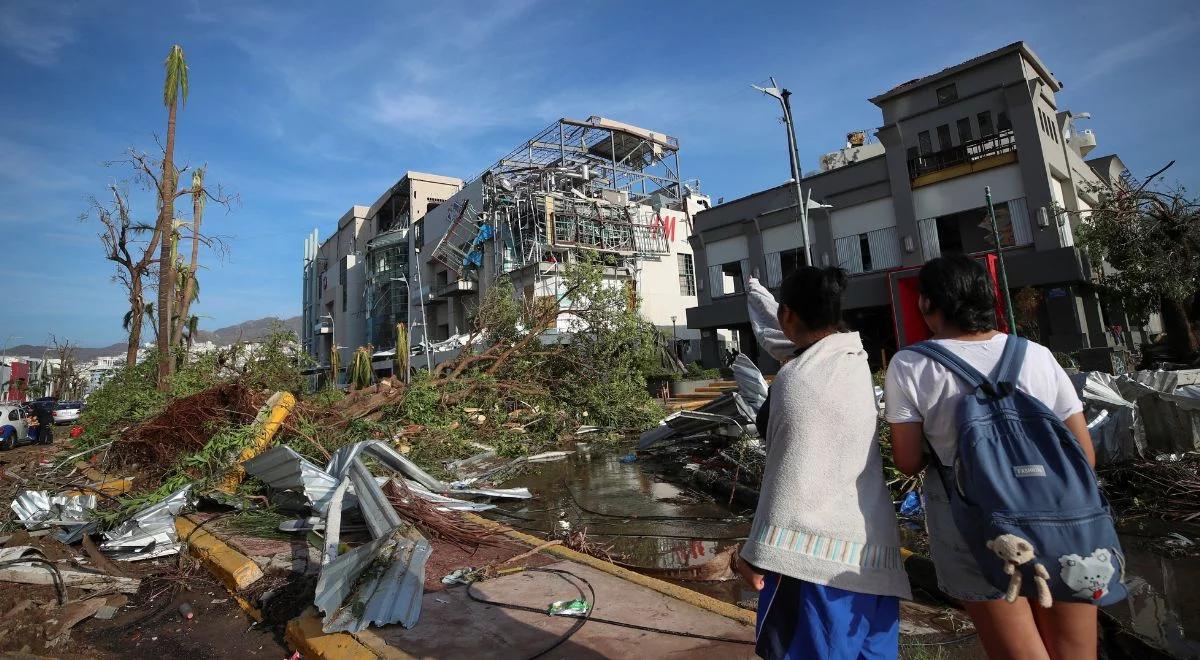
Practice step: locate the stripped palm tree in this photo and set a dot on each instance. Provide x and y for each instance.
(188, 290)
(175, 90)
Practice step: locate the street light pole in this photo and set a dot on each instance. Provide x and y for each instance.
(424, 319)
(784, 97)
(1008, 308)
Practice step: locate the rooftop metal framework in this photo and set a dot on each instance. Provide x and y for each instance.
(592, 185)
(593, 155)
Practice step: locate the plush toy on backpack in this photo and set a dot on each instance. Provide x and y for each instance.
(1016, 551)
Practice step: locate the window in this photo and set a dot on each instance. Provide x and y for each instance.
(944, 141)
(731, 278)
(419, 233)
(947, 94)
(926, 142)
(913, 153)
(687, 275)
(790, 260)
(342, 282)
(14, 415)
(865, 247)
(432, 204)
(1002, 121)
(985, 124)
(964, 130)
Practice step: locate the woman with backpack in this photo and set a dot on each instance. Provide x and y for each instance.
(824, 549)
(927, 393)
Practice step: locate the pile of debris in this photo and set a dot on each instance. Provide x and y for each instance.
(1142, 415)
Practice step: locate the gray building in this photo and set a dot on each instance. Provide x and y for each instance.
(887, 206)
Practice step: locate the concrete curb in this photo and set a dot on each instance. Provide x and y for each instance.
(304, 635)
(700, 600)
(235, 570)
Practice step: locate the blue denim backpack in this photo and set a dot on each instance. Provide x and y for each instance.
(1022, 492)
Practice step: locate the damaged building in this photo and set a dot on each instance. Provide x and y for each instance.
(884, 207)
(426, 252)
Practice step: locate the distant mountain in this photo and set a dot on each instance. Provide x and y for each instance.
(250, 330)
(245, 331)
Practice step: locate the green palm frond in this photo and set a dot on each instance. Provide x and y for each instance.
(177, 77)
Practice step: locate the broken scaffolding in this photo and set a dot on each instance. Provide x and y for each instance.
(596, 185)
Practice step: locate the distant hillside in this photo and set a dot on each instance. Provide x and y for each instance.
(245, 331)
(250, 330)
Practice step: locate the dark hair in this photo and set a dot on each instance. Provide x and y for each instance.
(959, 288)
(815, 295)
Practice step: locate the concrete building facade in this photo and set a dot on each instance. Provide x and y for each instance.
(427, 250)
(355, 287)
(887, 207)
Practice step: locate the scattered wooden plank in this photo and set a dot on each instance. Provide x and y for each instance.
(78, 579)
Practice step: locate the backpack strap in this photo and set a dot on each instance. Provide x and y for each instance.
(955, 364)
(1010, 362)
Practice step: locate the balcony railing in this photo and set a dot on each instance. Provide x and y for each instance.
(968, 152)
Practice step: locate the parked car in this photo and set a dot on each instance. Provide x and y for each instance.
(14, 425)
(67, 412)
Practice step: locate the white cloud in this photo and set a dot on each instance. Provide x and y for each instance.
(37, 39)
(1132, 50)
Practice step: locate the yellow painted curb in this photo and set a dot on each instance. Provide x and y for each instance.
(233, 568)
(675, 591)
(305, 636)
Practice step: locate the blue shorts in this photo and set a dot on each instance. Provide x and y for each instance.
(798, 619)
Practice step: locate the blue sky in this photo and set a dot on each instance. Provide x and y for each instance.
(305, 108)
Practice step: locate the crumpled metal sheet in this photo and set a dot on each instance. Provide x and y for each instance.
(447, 503)
(150, 532)
(751, 384)
(1113, 421)
(727, 415)
(37, 509)
(282, 468)
(379, 583)
(764, 321)
(339, 464)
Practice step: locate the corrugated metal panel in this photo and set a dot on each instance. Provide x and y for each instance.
(849, 254)
(774, 269)
(283, 469)
(150, 532)
(751, 384)
(930, 246)
(387, 595)
(379, 514)
(884, 247)
(716, 281)
(1018, 213)
(339, 465)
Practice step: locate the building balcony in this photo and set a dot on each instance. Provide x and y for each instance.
(971, 156)
(461, 287)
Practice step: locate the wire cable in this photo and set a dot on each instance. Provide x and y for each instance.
(55, 575)
(621, 624)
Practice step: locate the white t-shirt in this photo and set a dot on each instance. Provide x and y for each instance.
(921, 390)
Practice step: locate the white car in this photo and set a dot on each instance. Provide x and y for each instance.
(14, 425)
(67, 412)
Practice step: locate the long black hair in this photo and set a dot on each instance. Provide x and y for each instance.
(959, 288)
(815, 295)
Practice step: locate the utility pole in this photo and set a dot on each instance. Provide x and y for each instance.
(424, 319)
(1008, 307)
(784, 97)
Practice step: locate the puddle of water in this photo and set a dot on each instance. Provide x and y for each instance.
(1164, 593)
(633, 514)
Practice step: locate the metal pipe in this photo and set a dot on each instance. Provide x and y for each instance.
(424, 319)
(1008, 308)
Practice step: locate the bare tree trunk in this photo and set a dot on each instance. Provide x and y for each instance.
(185, 299)
(135, 323)
(1181, 336)
(166, 274)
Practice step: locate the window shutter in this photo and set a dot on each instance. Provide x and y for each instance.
(745, 263)
(849, 254)
(715, 280)
(1018, 211)
(930, 247)
(885, 249)
(774, 270)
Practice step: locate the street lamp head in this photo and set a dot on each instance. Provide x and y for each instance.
(771, 91)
